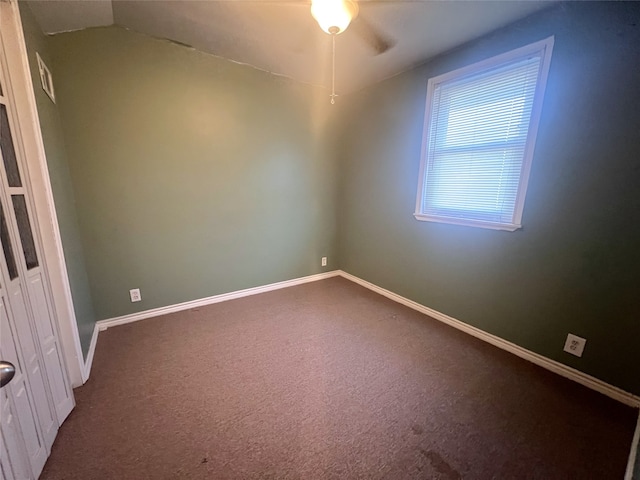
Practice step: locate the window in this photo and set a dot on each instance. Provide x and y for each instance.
(479, 134)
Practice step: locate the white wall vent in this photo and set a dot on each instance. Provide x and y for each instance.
(46, 79)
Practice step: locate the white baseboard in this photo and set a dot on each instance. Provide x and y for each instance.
(102, 325)
(552, 365)
(86, 371)
(155, 312)
(544, 362)
(634, 453)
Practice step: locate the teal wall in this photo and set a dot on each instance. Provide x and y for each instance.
(194, 176)
(574, 265)
(61, 184)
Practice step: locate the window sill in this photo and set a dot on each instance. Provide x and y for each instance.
(510, 227)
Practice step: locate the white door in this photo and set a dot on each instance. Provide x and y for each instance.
(33, 281)
(28, 390)
(39, 397)
(24, 451)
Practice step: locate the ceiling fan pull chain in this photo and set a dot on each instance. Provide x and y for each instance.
(333, 70)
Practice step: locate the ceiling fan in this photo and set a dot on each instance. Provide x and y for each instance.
(334, 16)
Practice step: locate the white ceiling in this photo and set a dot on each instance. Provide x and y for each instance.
(283, 38)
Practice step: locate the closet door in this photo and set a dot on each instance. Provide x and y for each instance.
(39, 397)
(32, 282)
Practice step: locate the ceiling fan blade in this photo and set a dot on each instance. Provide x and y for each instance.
(371, 35)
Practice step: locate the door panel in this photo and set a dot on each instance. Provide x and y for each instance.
(13, 464)
(22, 397)
(8, 152)
(25, 409)
(7, 249)
(39, 302)
(21, 214)
(53, 360)
(48, 421)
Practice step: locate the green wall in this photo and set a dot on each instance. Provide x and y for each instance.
(574, 265)
(63, 190)
(194, 176)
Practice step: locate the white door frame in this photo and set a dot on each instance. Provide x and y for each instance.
(38, 174)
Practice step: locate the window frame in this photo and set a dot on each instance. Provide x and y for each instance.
(545, 48)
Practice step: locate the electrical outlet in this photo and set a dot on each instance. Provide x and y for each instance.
(135, 295)
(574, 345)
(324, 261)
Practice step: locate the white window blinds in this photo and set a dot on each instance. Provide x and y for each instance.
(478, 135)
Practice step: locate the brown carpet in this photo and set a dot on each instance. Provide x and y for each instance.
(328, 380)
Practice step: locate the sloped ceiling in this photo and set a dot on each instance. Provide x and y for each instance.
(283, 38)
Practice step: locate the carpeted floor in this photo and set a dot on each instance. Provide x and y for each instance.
(328, 380)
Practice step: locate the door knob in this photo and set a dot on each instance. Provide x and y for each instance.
(7, 371)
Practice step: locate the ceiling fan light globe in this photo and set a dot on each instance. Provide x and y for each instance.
(333, 16)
